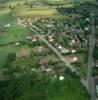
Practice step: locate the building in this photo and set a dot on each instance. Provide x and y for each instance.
(33, 38)
(96, 85)
(96, 42)
(96, 63)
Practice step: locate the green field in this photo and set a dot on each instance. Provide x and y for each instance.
(14, 33)
(22, 9)
(43, 11)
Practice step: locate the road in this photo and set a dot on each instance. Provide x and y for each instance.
(90, 79)
(54, 50)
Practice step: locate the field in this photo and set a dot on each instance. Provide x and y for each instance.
(26, 9)
(43, 11)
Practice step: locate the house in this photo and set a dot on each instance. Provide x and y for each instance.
(51, 40)
(17, 44)
(7, 25)
(48, 69)
(50, 37)
(87, 19)
(97, 26)
(61, 78)
(86, 28)
(40, 49)
(96, 42)
(96, 85)
(71, 50)
(33, 38)
(56, 44)
(74, 59)
(60, 47)
(96, 63)
(72, 42)
(55, 76)
(64, 50)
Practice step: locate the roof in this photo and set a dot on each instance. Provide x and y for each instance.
(96, 88)
(51, 40)
(75, 59)
(96, 62)
(32, 37)
(96, 84)
(97, 42)
(61, 78)
(59, 47)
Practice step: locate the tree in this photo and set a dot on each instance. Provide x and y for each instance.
(31, 6)
(11, 9)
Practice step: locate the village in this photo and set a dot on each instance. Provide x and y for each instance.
(62, 36)
(46, 47)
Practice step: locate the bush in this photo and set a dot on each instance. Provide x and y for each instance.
(11, 57)
(77, 64)
(96, 52)
(95, 71)
(72, 74)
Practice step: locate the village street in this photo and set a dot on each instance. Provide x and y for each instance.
(55, 51)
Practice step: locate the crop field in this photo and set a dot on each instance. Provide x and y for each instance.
(35, 12)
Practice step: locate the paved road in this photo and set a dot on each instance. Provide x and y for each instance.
(90, 60)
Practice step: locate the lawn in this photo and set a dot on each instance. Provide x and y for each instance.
(4, 53)
(5, 50)
(14, 33)
(6, 18)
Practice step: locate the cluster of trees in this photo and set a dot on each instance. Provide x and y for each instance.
(96, 52)
(29, 87)
(11, 57)
(43, 53)
(77, 9)
(95, 71)
(2, 29)
(8, 65)
(64, 10)
(33, 44)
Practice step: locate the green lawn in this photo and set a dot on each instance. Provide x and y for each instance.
(14, 33)
(4, 52)
(6, 18)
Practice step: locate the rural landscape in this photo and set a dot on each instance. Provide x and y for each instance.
(48, 49)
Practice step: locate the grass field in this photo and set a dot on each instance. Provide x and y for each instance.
(4, 53)
(14, 33)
